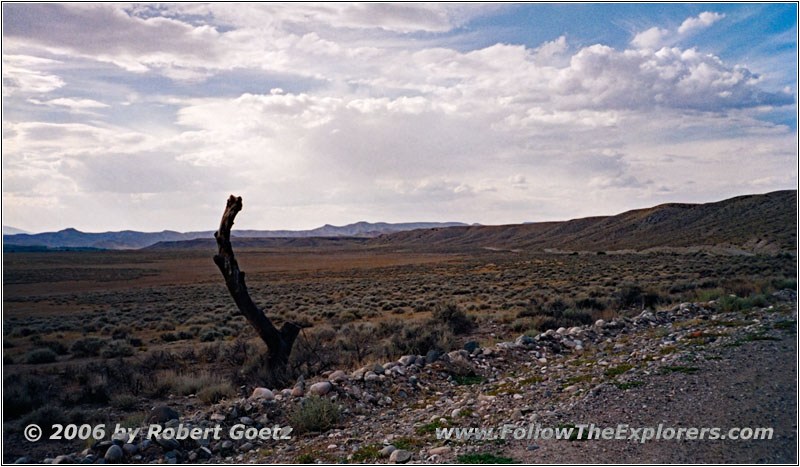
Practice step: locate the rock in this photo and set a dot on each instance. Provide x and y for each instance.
(247, 421)
(371, 376)
(64, 460)
(571, 388)
(407, 360)
(432, 356)
(337, 376)
(167, 444)
(321, 388)
(162, 414)
(204, 453)
(22, 460)
(388, 450)
(297, 391)
(441, 451)
(471, 346)
(226, 445)
(114, 454)
(599, 323)
(263, 394)
(248, 446)
(217, 417)
(378, 369)
(130, 449)
(399, 456)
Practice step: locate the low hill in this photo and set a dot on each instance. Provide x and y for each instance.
(766, 222)
(266, 242)
(130, 239)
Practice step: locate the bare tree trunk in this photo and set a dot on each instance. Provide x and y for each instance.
(279, 342)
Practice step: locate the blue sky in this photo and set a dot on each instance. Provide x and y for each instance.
(335, 113)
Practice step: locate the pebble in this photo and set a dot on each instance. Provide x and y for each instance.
(399, 456)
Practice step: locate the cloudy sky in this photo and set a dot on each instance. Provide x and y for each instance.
(146, 117)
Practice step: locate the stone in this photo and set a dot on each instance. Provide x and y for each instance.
(162, 414)
(247, 421)
(399, 456)
(248, 446)
(114, 454)
(167, 444)
(440, 451)
(64, 460)
(321, 388)
(371, 376)
(263, 394)
(226, 445)
(388, 450)
(407, 360)
(337, 376)
(297, 391)
(130, 449)
(471, 346)
(378, 369)
(432, 356)
(22, 460)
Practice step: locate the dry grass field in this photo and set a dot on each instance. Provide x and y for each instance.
(106, 335)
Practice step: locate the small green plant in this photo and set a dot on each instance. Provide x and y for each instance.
(484, 458)
(689, 370)
(306, 458)
(617, 370)
(431, 427)
(468, 380)
(368, 453)
(315, 414)
(629, 385)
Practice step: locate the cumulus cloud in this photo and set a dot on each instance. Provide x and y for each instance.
(336, 110)
(656, 37)
(652, 38)
(703, 20)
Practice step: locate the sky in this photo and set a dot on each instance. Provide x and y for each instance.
(147, 116)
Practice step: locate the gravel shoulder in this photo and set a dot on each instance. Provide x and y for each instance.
(751, 385)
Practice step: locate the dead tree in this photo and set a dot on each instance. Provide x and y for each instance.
(279, 342)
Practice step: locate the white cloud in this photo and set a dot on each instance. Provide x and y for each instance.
(652, 38)
(703, 20)
(392, 128)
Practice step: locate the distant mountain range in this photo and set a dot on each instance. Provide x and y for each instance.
(8, 230)
(755, 223)
(130, 239)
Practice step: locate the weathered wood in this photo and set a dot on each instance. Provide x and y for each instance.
(279, 342)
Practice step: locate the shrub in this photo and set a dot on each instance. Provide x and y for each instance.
(87, 347)
(214, 393)
(182, 384)
(543, 323)
(118, 349)
(574, 317)
(315, 414)
(210, 334)
(38, 356)
(521, 324)
(454, 317)
(23, 394)
(56, 346)
(590, 304)
(124, 402)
